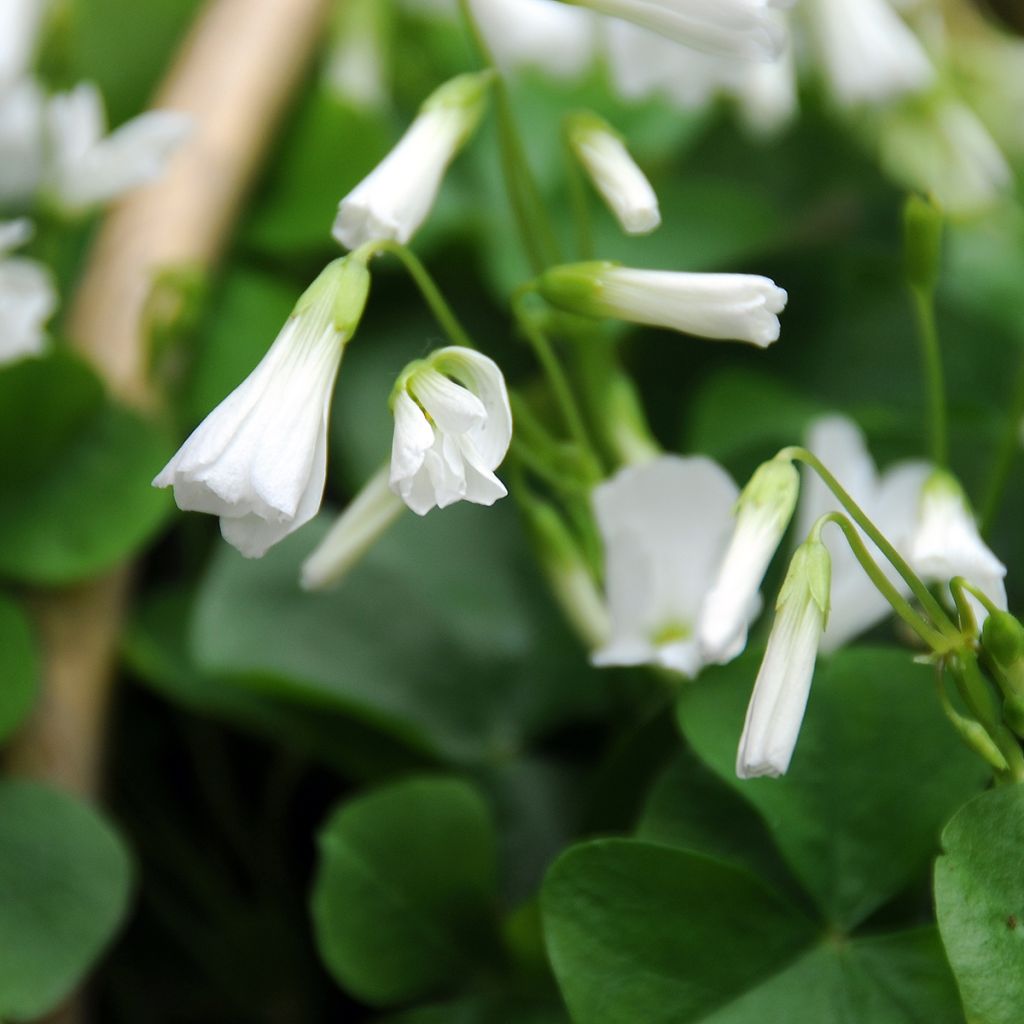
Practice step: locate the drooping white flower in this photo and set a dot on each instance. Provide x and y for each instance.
(783, 684)
(743, 29)
(869, 53)
(453, 426)
(615, 174)
(665, 526)
(944, 150)
(28, 297)
(395, 198)
(87, 167)
(741, 307)
(946, 543)
(890, 500)
(762, 517)
(20, 21)
(545, 34)
(21, 141)
(259, 460)
(355, 531)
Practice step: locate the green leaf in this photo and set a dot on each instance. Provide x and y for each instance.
(19, 669)
(640, 932)
(405, 894)
(979, 895)
(876, 772)
(64, 886)
(435, 637)
(483, 1010)
(77, 495)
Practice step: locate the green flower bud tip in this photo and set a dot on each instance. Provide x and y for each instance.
(774, 487)
(809, 577)
(467, 93)
(575, 287)
(1003, 638)
(922, 235)
(583, 123)
(339, 294)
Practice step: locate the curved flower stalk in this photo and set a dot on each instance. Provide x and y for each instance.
(739, 307)
(395, 198)
(453, 426)
(28, 297)
(86, 167)
(869, 54)
(615, 174)
(666, 526)
(783, 684)
(744, 29)
(259, 460)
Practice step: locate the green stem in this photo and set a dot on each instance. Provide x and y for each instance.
(931, 356)
(527, 207)
(432, 295)
(934, 610)
(978, 697)
(578, 199)
(1005, 457)
(939, 643)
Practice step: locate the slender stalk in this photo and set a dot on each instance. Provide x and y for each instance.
(432, 295)
(578, 199)
(931, 357)
(1005, 457)
(931, 636)
(935, 610)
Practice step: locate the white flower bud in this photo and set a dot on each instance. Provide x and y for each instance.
(354, 532)
(741, 307)
(453, 426)
(259, 460)
(763, 514)
(395, 198)
(733, 28)
(615, 174)
(783, 684)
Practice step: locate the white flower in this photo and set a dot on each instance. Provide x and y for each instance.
(259, 460)
(889, 500)
(20, 21)
(942, 148)
(870, 55)
(783, 684)
(742, 307)
(453, 426)
(615, 174)
(946, 543)
(86, 167)
(554, 37)
(395, 198)
(762, 516)
(665, 526)
(28, 297)
(734, 28)
(21, 142)
(354, 532)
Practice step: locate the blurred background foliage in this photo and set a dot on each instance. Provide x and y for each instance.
(437, 698)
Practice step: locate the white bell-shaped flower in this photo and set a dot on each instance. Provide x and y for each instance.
(946, 543)
(86, 166)
(28, 297)
(666, 526)
(783, 684)
(259, 460)
(615, 174)
(740, 307)
(762, 517)
(743, 29)
(355, 531)
(870, 54)
(453, 426)
(395, 198)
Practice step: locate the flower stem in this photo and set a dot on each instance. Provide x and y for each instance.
(428, 288)
(1005, 457)
(578, 199)
(934, 610)
(931, 356)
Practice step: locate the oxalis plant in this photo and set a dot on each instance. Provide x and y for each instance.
(563, 653)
